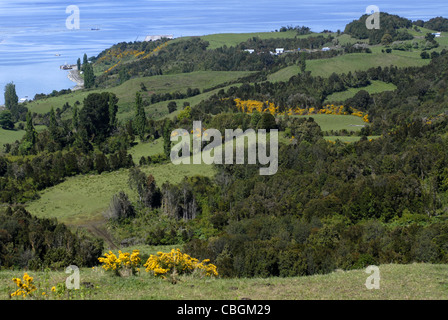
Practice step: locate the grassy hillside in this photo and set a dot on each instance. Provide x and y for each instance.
(159, 110)
(328, 122)
(397, 282)
(347, 139)
(10, 136)
(353, 62)
(375, 87)
(233, 39)
(82, 199)
(363, 61)
(156, 84)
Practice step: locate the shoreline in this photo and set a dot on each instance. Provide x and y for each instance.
(74, 76)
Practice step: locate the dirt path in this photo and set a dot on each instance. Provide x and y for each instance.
(98, 229)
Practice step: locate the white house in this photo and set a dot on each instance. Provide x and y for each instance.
(250, 50)
(158, 37)
(279, 51)
(437, 34)
(326, 49)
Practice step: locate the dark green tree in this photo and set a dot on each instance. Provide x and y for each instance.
(30, 137)
(53, 123)
(89, 76)
(172, 106)
(425, 55)
(302, 64)
(140, 117)
(166, 134)
(94, 116)
(113, 109)
(6, 120)
(84, 60)
(267, 122)
(75, 119)
(11, 98)
(82, 142)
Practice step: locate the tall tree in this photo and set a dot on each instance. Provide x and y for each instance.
(89, 76)
(302, 64)
(30, 137)
(85, 60)
(113, 109)
(11, 98)
(166, 133)
(140, 117)
(78, 64)
(75, 119)
(53, 127)
(12, 101)
(94, 116)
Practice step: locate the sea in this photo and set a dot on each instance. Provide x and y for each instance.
(36, 37)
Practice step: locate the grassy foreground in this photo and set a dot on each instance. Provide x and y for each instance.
(398, 282)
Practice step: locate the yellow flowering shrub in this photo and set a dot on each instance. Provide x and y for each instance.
(249, 106)
(112, 55)
(25, 286)
(163, 264)
(124, 261)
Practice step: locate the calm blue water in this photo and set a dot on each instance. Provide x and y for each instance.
(32, 32)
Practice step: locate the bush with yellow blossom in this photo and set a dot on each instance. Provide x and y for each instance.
(124, 262)
(25, 286)
(175, 261)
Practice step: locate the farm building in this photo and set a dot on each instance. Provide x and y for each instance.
(279, 51)
(326, 49)
(158, 37)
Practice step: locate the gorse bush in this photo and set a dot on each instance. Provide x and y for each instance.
(176, 262)
(25, 286)
(45, 289)
(124, 262)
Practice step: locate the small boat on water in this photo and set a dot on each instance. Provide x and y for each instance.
(57, 54)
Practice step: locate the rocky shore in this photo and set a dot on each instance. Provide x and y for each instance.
(75, 76)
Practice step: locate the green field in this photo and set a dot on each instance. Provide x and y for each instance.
(156, 84)
(363, 61)
(353, 62)
(348, 139)
(159, 110)
(146, 149)
(232, 39)
(374, 87)
(328, 122)
(82, 199)
(397, 282)
(11, 136)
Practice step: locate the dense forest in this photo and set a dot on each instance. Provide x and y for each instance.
(331, 205)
